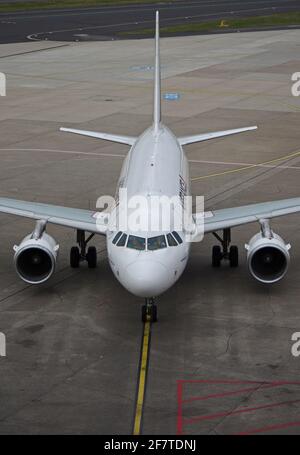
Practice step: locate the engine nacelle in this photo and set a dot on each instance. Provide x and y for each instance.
(268, 257)
(35, 258)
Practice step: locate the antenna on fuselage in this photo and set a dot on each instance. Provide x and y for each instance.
(157, 92)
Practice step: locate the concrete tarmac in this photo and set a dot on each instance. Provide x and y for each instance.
(73, 344)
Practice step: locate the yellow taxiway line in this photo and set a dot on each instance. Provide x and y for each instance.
(142, 378)
(248, 166)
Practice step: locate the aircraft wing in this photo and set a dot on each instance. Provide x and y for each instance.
(86, 220)
(228, 218)
(129, 140)
(205, 137)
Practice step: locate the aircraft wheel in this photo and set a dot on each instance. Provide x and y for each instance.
(74, 257)
(234, 256)
(149, 311)
(91, 257)
(216, 256)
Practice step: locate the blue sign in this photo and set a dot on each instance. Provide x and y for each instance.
(171, 96)
(142, 68)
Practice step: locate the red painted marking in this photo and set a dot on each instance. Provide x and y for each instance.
(234, 392)
(239, 411)
(259, 385)
(270, 428)
(179, 408)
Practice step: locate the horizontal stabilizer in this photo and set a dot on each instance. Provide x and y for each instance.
(129, 140)
(205, 137)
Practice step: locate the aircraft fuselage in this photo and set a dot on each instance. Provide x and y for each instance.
(155, 166)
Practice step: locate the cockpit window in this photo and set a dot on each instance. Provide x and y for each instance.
(157, 243)
(117, 236)
(153, 243)
(136, 243)
(177, 236)
(122, 240)
(171, 240)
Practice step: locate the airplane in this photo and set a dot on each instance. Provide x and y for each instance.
(148, 263)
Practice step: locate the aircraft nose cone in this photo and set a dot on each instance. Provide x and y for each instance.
(147, 279)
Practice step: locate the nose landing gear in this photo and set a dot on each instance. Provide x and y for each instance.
(79, 253)
(149, 311)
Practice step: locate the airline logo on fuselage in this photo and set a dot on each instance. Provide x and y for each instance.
(182, 189)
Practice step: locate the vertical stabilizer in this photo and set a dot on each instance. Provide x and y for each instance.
(157, 94)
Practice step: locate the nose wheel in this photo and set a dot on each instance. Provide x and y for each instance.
(149, 311)
(225, 251)
(81, 253)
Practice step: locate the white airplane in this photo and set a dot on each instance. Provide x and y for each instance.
(149, 263)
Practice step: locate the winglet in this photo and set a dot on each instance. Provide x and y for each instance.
(157, 90)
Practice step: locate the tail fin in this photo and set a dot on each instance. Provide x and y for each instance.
(157, 90)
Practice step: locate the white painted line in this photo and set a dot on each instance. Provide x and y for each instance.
(115, 155)
(71, 152)
(30, 37)
(230, 163)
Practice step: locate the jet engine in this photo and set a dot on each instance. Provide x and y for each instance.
(35, 257)
(268, 256)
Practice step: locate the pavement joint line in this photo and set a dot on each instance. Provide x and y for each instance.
(142, 378)
(33, 51)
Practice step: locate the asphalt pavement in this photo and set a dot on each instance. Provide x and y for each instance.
(104, 23)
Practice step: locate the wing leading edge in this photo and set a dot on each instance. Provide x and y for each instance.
(227, 218)
(86, 220)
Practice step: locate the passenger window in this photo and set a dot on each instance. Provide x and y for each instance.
(136, 243)
(118, 235)
(171, 240)
(122, 240)
(157, 243)
(177, 236)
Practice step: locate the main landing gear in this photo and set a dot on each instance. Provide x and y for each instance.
(149, 311)
(80, 253)
(225, 251)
